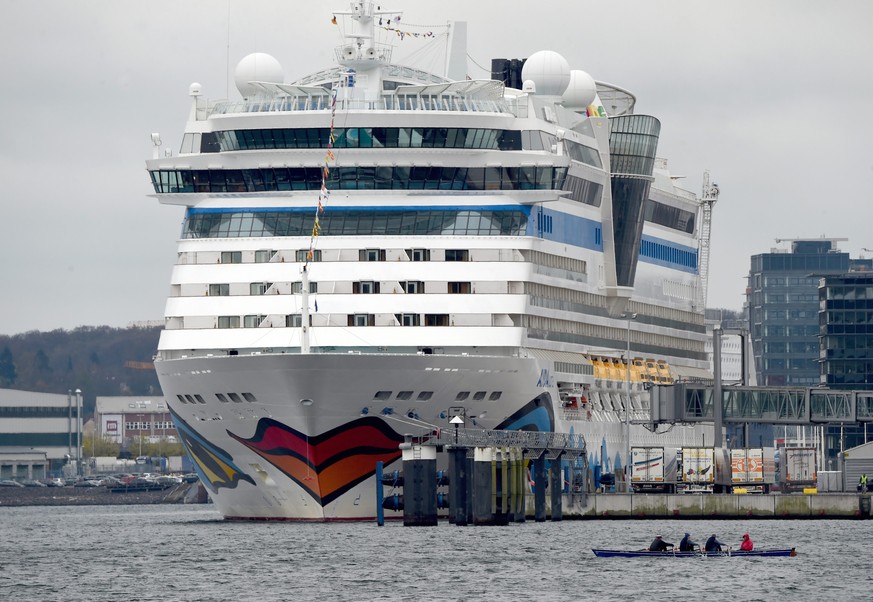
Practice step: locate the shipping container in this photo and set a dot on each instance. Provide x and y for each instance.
(753, 469)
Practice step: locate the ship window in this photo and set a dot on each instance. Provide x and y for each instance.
(425, 395)
(371, 254)
(457, 255)
(249, 397)
(462, 396)
(228, 321)
(419, 254)
(234, 397)
(300, 255)
(495, 395)
(199, 398)
(231, 257)
(436, 319)
(219, 290)
(478, 395)
(253, 321)
(367, 287)
(221, 397)
(181, 398)
(412, 287)
(190, 399)
(264, 255)
(259, 288)
(382, 395)
(404, 394)
(408, 319)
(457, 288)
(293, 321)
(362, 320)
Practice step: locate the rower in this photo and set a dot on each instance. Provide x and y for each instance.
(659, 545)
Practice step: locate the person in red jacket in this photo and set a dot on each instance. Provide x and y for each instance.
(747, 544)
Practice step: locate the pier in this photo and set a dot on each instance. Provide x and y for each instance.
(493, 477)
(720, 506)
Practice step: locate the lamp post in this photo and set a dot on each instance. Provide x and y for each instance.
(79, 432)
(627, 460)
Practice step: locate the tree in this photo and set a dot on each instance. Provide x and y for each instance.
(8, 373)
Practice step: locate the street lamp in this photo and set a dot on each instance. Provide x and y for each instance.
(79, 432)
(627, 460)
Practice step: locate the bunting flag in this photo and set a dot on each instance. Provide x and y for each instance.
(402, 34)
(324, 192)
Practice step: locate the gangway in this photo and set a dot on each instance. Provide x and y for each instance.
(691, 402)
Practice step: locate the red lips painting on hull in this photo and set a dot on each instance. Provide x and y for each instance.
(329, 464)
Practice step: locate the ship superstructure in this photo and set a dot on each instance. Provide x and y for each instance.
(372, 245)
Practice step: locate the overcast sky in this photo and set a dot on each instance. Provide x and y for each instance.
(773, 98)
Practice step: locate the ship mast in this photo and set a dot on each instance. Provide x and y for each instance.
(708, 199)
(304, 311)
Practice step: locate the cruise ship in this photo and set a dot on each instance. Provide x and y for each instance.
(373, 249)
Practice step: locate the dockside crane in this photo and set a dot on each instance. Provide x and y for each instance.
(708, 198)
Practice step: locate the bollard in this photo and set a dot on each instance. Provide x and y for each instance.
(864, 505)
(419, 487)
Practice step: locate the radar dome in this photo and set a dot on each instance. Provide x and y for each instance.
(257, 67)
(581, 92)
(549, 71)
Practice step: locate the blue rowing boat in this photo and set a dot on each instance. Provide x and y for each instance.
(695, 554)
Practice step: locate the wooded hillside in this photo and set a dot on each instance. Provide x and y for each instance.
(99, 360)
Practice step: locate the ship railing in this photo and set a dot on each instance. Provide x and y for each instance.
(534, 443)
(386, 102)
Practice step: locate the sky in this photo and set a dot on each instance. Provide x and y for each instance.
(772, 97)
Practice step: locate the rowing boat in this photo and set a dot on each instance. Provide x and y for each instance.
(678, 554)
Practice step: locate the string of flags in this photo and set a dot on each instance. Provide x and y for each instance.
(386, 24)
(323, 193)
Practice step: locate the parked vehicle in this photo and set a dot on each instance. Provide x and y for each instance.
(653, 469)
(703, 470)
(87, 483)
(797, 468)
(55, 482)
(10, 483)
(753, 469)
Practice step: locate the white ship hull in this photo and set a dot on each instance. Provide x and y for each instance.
(306, 448)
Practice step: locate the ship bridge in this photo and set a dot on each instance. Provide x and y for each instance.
(690, 403)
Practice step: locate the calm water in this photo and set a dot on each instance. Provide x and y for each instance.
(182, 553)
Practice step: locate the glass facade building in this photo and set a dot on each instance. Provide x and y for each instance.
(846, 326)
(783, 305)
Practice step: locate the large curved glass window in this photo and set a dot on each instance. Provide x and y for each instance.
(360, 178)
(672, 217)
(233, 223)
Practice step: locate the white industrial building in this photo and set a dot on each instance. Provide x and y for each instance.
(39, 432)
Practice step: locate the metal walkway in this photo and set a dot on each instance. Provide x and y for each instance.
(534, 443)
(686, 402)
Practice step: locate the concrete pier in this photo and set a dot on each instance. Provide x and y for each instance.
(718, 506)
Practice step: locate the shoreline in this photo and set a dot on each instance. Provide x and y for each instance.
(185, 493)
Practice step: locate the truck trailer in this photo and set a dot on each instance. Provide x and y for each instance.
(797, 468)
(703, 470)
(753, 470)
(653, 469)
